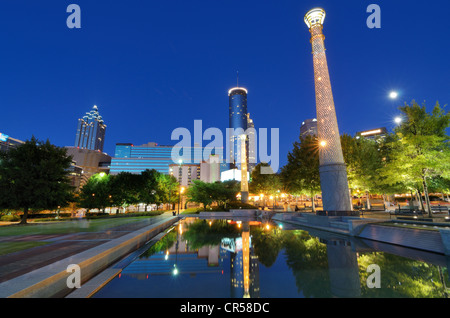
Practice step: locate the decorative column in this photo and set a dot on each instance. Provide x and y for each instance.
(244, 179)
(333, 173)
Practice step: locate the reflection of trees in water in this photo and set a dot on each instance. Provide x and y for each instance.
(307, 257)
(203, 233)
(266, 244)
(401, 277)
(162, 245)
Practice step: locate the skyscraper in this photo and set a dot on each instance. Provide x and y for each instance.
(308, 128)
(91, 131)
(332, 169)
(237, 121)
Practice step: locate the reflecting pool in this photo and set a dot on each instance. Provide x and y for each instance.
(201, 258)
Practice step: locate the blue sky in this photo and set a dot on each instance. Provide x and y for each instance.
(152, 66)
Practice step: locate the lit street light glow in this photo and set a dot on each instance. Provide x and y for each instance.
(398, 120)
(393, 95)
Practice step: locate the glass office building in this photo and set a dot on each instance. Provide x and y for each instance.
(91, 131)
(237, 119)
(135, 159)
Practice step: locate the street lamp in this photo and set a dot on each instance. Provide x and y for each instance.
(393, 95)
(398, 120)
(180, 179)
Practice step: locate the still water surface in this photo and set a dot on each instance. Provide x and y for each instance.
(235, 259)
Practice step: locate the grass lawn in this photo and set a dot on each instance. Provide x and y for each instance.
(70, 226)
(11, 247)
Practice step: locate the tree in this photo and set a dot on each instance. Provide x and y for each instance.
(364, 159)
(125, 188)
(301, 173)
(200, 192)
(265, 183)
(96, 193)
(149, 187)
(224, 192)
(34, 176)
(167, 189)
(421, 149)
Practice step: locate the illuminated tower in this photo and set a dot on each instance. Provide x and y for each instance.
(237, 122)
(243, 163)
(333, 173)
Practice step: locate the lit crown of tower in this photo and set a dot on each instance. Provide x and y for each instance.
(314, 16)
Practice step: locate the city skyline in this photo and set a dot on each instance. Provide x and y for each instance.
(154, 67)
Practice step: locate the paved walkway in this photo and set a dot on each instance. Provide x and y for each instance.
(61, 246)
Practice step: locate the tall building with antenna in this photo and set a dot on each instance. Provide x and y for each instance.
(238, 118)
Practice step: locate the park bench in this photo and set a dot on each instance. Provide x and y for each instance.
(440, 209)
(411, 212)
(408, 210)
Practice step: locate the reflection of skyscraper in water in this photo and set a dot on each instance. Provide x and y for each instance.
(244, 267)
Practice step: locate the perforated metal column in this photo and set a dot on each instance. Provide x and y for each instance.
(333, 174)
(244, 180)
(327, 127)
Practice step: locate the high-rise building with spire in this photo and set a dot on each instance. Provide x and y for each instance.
(91, 131)
(238, 122)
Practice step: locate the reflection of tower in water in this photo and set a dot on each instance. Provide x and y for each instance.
(244, 267)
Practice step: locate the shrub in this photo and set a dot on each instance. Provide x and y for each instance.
(10, 218)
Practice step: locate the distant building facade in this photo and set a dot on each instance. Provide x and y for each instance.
(185, 173)
(90, 162)
(373, 133)
(7, 142)
(135, 159)
(308, 128)
(91, 131)
(210, 169)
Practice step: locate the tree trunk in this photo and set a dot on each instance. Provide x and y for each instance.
(313, 204)
(351, 198)
(24, 216)
(368, 200)
(427, 198)
(419, 194)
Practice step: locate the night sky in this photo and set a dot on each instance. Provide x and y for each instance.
(152, 66)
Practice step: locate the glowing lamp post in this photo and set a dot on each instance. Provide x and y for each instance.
(333, 173)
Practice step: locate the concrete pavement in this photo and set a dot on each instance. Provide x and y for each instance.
(41, 271)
